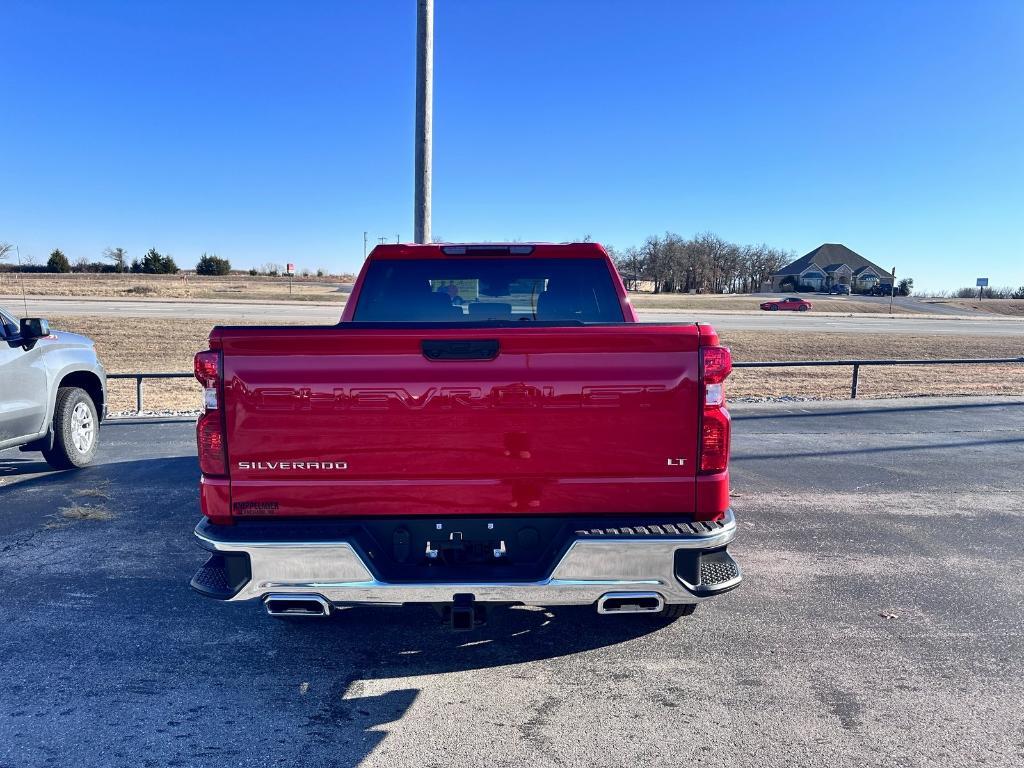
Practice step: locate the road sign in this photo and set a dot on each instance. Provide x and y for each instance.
(291, 269)
(982, 282)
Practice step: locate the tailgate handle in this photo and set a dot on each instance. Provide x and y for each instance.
(478, 349)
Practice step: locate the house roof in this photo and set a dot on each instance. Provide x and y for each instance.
(828, 257)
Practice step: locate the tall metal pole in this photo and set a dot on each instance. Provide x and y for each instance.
(424, 116)
(892, 289)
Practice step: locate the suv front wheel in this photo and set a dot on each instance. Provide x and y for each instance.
(76, 430)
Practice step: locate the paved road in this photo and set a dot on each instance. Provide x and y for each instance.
(808, 322)
(924, 305)
(220, 311)
(880, 624)
(917, 304)
(278, 312)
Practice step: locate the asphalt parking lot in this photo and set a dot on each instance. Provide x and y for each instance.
(880, 623)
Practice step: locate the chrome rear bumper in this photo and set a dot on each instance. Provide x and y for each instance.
(590, 568)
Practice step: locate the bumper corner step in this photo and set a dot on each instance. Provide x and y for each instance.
(222, 575)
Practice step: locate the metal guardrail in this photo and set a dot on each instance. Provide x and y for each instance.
(855, 364)
(139, 378)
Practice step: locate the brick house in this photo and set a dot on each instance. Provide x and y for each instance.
(831, 264)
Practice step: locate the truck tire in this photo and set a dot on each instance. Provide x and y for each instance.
(76, 430)
(673, 612)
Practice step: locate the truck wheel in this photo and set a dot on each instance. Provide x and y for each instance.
(75, 430)
(673, 612)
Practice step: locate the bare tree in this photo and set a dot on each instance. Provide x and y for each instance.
(705, 263)
(630, 264)
(119, 256)
(656, 261)
(5, 249)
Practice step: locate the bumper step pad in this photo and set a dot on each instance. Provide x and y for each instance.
(222, 575)
(717, 569)
(707, 572)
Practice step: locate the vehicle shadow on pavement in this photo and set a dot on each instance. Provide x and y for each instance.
(356, 672)
(10, 466)
(101, 615)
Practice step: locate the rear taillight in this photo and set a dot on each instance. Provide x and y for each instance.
(714, 440)
(207, 367)
(210, 427)
(716, 364)
(210, 442)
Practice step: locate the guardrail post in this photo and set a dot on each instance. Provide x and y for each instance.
(853, 384)
(138, 394)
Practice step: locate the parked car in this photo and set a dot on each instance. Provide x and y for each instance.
(839, 290)
(52, 392)
(535, 444)
(792, 303)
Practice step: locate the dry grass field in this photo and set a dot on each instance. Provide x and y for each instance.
(150, 345)
(1013, 307)
(752, 303)
(130, 286)
(895, 381)
(147, 346)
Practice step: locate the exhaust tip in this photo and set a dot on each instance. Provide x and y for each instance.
(630, 602)
(313, 606)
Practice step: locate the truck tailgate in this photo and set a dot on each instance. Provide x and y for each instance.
(353, 420)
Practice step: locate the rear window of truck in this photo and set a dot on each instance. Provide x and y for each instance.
(479, 290)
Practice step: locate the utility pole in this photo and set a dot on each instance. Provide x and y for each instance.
(397, 240)
(382, 240)
(893, 291)
(424, 117)
(364, 245)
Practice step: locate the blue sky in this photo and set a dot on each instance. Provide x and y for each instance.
(280, 132)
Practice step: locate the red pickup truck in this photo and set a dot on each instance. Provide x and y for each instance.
(487, 424)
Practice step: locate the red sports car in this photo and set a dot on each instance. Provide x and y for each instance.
(793, 303)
